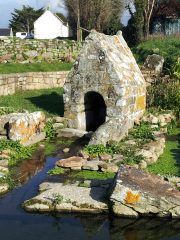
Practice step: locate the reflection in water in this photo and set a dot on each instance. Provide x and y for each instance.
(16, 224)
(149, 229)
(29, 168)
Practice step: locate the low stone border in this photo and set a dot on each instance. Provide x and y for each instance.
(107, 163)
(11, 83)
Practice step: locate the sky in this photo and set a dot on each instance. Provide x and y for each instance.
(7, 7)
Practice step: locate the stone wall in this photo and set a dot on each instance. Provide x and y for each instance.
(14, 50)
(10, 83)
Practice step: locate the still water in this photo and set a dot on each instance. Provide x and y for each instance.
(16, 224)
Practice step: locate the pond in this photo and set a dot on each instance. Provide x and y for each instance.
(16, 224)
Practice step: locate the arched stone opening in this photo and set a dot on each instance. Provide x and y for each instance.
(95, 110)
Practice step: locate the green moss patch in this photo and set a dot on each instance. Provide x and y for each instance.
(86, 174)
(56, 171)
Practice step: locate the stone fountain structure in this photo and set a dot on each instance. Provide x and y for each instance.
(105, 90)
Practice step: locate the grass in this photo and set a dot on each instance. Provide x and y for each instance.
(92, 175)
(169, 162)
(34, 67)
(50, 101)
(168, 47)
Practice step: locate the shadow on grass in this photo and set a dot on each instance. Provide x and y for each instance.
(52, 103)
(176, 152)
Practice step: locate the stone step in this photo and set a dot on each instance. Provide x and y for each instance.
(71, 132)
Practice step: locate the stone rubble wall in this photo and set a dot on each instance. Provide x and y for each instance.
(11, 83)
(15, 50)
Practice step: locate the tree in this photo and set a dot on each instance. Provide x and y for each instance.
(139, 24)
(93, 14)
(23, 20)
(147, 12)
(113, 26)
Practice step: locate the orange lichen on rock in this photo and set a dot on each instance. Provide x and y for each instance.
(23, 126)
(132, 198)
(140, 102)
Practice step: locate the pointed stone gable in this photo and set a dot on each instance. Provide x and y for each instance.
(105, 91)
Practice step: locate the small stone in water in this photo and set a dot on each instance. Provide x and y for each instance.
(66, 150)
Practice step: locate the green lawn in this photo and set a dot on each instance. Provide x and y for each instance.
(168, 47)
(50, 101)
(169, 162)
(34, 67)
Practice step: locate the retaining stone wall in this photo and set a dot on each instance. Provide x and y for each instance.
(11, 83)
(15, 50)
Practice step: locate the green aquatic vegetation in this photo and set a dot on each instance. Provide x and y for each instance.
(85, 185)
(86, 174)
(56, 171)
(8, 179)
(18, 152)
(57, 199)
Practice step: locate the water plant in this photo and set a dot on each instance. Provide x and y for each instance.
(56, 171)
(86, 174)
(17, 152)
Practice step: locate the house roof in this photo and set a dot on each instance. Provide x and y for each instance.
(5, 31)
(55, 15)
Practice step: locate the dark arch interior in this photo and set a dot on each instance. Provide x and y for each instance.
(95, 110)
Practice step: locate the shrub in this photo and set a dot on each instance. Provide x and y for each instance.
(175, 70)
(165, 94)
(143, 131)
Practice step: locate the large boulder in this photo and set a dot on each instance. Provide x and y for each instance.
(137, 193)
(154, 62)
(23, 126)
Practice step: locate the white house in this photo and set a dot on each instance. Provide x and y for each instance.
(49, 26)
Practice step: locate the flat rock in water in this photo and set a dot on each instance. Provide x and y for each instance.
(91, 165)
(66, 150)
(3, 188)
(137, 193)
(68, 198)
(71, 162)
(71, 132)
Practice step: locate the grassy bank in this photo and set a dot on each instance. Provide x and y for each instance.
(168, 47)
(50, 101)
(34, 67)
(169, 162)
